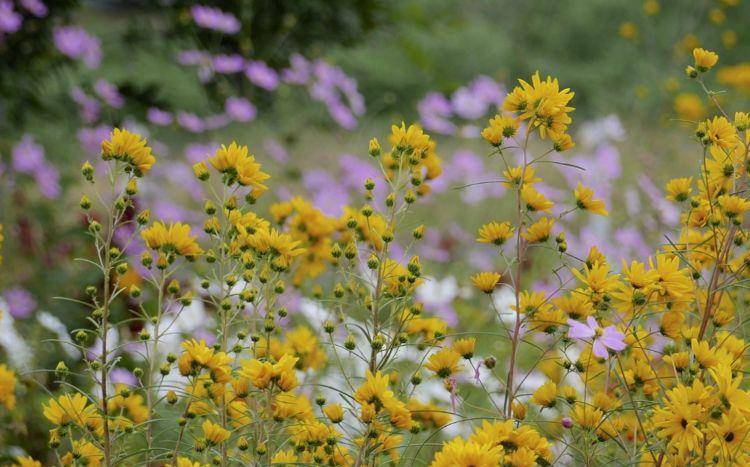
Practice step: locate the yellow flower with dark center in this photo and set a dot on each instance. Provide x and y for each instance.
(444, 362)
(130, 148)
(486, 281)
(334, 412)
(534, 200)
(539, 231)
(411, 139)
(465, 347)
(720, 131)
(239, 166)
(679, 189)
(214, 433)
(514, 176)
(86, 453)
(586, 416)
(173, 238)
(585, 200)
(733, 206)
(546, 395)
(374, 389)
(562, 142)
(68, 409)
(495, 232)
(704, 59)
(500, 126)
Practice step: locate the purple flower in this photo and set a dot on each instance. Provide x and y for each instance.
(20, 302)
(10, 21)
(122, 376)
(603, 339)
(213, 18)
(228, 63)
(88, 106)
(239, 109)
(276, 151)
(193, 57)
(109, 93)
(27, 156)
(159, 117)
(298, 71)
(35, 7)
(77, 44)
(262, 75)
(190, 122)
(48, 180)
(566, 422)
(90, 138)
(197, 152)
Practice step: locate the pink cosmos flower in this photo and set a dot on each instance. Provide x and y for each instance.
(603, 339)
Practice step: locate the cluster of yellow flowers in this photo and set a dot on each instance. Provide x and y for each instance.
(644, 366)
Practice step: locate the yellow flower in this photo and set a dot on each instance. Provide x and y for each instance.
(628, 30)
(546, 395)
(374, 389)
(465, 347)
(733, 206)
(704, 59)
(501, 126)
(175, 238)
(534, 200)
(689, 106)
(585, 200)
(68, 409)
(334, 412)
(27, 461)
(7, 387)
(514, 176)
(486, 281)
(720, 132)
(460, 453)
(214, 433)
(444, 362)
(87, 453)
(539, 231)
(562, 142)
(130, 148)
(495, 232)
(679, 189)
(234, 162)
(411, 139)
(651, 7)
(285, 457)
(186, 462)
(586, 416)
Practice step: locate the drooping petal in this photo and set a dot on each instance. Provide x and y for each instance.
(579, 330)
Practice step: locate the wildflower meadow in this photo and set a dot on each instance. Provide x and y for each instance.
(285, 233)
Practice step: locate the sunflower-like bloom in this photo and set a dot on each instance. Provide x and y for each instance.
(460, 453)
(585, 200)
(262, 374)
(539, 231)
(411, 139)
(240, 167)
(130, 148)
(68, 409)
(174, 238)
(495, 232)
(679, 189)
(500, 126)
(444, 362)
(534, 200)
(215, 434)
(486, 281)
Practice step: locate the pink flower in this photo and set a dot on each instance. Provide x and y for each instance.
(603, 339)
